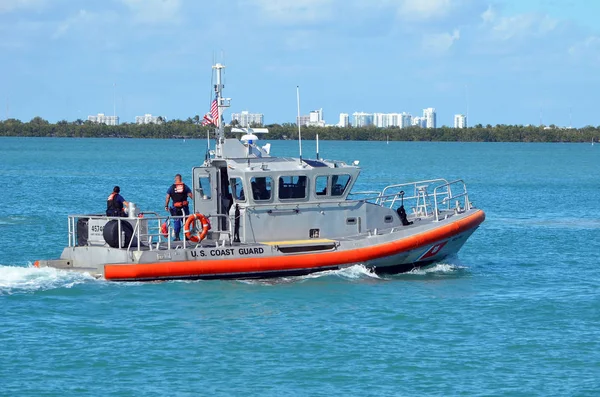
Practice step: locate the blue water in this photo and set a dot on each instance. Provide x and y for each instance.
(517, 312)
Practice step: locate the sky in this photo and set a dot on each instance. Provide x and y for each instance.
(500, 62)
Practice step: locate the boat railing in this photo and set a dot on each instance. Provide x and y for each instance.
(444, 195)
(147, 230)
(417, 198)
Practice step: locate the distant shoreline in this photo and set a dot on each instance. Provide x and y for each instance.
(178, 129)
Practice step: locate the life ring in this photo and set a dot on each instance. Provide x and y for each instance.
(196, 238)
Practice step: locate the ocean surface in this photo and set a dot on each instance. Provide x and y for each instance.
(516, 313)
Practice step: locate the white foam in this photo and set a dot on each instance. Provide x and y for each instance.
(18, 279)
(355, 272)
(440, 268)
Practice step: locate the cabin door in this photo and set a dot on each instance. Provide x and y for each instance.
(207, 194)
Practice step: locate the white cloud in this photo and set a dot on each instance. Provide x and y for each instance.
(14, 5)
(81, 17)
(86, 27)
(515, 26)
(436, 44)
(590, 47)
(488, 15)
(296, 11)
(424, 9)
(154, 11)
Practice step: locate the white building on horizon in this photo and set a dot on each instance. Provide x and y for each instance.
(315, 118)
(429, 116)
(360, 119)
(387, 120)
(344, 120)
(101, 118)
(303, 120)
(419, 122)
(406, 120)
(381, 120)
(148, 119)
(247, 119)
(460, 121)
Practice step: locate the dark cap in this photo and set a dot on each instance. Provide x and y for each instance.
(117, 189)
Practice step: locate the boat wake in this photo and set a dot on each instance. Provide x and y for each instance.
(361, 273)
(19, 279)
(30, 279)
(356, 272)
(439, 268)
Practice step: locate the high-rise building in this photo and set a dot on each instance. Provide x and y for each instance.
(460, 121)
(361, 119)
(303, 120)
(315, 118)
(381, 120)
(419, 122)
(101, 118)
(148, 119)
(394, 119)
(247, 119)
(406, 120)
(344, 120)
(429, 116)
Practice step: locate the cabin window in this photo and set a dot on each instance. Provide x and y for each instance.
(339, 183)
(204, 187)
(237, 189)
(321, 185)
(292, 187)
(261, 188)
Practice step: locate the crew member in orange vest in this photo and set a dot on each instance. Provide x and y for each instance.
(179, 193)
(115, 203)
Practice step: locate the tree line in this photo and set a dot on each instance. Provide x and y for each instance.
(193, 128)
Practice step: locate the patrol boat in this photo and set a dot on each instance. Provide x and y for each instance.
(260, 216)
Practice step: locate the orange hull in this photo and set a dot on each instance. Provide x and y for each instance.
(310, 262)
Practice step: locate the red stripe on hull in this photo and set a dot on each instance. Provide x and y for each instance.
(186, 269)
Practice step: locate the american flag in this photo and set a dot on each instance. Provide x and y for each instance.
(207, 120)
(213, 117)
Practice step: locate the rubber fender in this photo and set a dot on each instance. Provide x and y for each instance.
(111, 233)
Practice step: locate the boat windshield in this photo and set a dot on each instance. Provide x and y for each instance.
(292, 187)
(261, 188)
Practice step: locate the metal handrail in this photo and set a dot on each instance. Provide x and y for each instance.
(449, 196)
(414, 184)
(137, 232)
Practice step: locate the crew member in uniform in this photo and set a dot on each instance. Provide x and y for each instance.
(115, 203)
(179, 193)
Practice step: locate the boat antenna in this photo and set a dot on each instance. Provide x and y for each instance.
(317, 145)
(220, 104)
(207, 144)
(299, 131)
(467, 100)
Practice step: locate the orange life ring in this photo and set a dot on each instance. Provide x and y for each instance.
(196, 238)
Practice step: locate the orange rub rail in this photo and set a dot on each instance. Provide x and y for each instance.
(193, 268)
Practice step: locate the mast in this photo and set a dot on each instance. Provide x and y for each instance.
(298, 121)
(222, 103)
